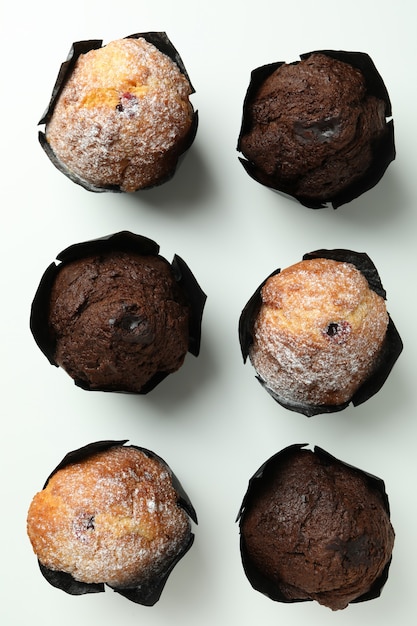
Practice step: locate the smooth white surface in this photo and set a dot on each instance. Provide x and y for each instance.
(211, 421)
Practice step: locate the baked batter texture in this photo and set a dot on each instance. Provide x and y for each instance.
(122, 118)
(319, 332)
(113, 516)
(117, 320)
(314, 528)
(314, 129)
(116, 315)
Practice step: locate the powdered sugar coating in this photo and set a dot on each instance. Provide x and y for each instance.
(123, 116)
(318, 333)
(111, 518)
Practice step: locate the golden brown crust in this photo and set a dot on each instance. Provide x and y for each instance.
(318, 333)
(111, 518)
(122, 116)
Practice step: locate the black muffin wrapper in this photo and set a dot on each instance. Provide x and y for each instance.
(146, 593)
(257, 579)
(161, 41)
(383, 148)
(123, 241)
(391, 349)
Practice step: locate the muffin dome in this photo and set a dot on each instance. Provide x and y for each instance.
(317, 331)
(116, 316)
(110, 514)
(122, 117)
(318, 129)
(314, 528)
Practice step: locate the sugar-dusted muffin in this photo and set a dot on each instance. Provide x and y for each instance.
(120, 115)
(116, 316)
(114, 515)
(318, 129)
(318, 333)
(314, 528)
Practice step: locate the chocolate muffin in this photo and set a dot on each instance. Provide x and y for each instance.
(116, 316)
(314, 528)
(114, 515)
(318, 129)
(120, 115)
(318, 333)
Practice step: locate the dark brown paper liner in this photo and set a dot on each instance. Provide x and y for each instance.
(147, 593)
(127, 242)
(389, 354)
(383, 149)
(158, 39)
(256, 578)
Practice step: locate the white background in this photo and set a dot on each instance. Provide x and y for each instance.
(212, 422)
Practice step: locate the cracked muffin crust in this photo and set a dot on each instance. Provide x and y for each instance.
(116, 315)
(314, 528)
(318, 129)
(318, 333)
(118, 319)
(110, 514)
(122, 118)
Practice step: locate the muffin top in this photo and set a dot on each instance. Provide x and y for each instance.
(310, 128)
(111, 518)
(123, 116)
(318, 332)
(118, 319)
(316, 529)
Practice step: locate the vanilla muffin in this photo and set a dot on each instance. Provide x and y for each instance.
(116, 316)
(111, 514)
(318, 129)
(315, 528)
(317, 333)
(120, 115)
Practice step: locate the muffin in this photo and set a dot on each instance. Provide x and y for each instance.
(120, 115)
(314, 528)
(318, 333)
(115, 315)
(318, 129)
(114, 515)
